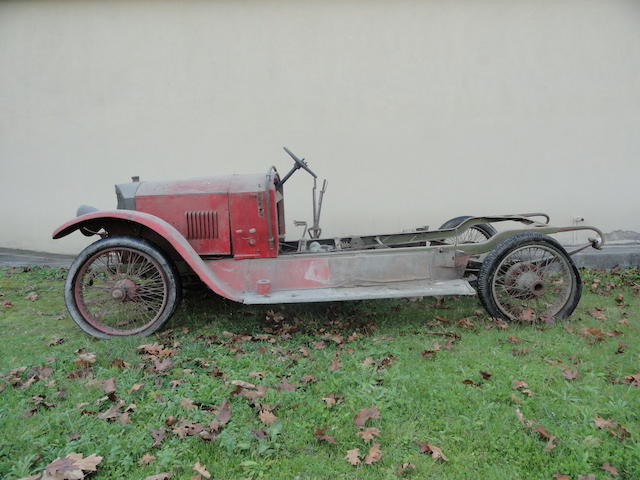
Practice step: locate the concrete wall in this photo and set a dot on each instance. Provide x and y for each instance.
(416, 111)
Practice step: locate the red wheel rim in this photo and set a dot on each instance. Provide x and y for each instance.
(121, 291)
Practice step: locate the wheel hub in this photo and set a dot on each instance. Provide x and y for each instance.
(123, 290)
(523, 281)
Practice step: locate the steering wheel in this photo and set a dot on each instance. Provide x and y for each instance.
(300, 163)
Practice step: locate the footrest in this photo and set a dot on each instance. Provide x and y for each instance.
(421, 288)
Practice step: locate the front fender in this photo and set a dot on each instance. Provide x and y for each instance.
(166, 231)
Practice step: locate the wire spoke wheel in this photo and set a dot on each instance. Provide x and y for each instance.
(532, 282)
(529, 277)
(475, 234)
(122, 287)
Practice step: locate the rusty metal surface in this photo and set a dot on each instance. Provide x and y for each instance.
(164, 229)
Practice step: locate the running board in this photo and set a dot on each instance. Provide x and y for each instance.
(421, 288)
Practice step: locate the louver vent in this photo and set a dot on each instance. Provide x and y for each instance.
(202, 224)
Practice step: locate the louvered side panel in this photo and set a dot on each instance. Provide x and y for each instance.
(202, 224)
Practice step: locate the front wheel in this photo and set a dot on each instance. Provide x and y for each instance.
(527, 278)
(121, 286)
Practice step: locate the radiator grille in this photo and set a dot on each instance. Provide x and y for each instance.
(203, 224)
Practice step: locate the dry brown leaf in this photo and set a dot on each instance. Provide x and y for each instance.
(527, 315)
(266, 417)
(242, 383)
(547, 436)
(285, 386)
(353, 456)
(369, 434)
(615, 429)
(201, 469)
(561, 476)
(330, 399)
(435, 452)
(146, 459)
(71, 467)
(135, 387)
(56, 341)
(85, 359)
(159, 476)
(518, 352)
(321, 435)
(33, 296)
(187, 404)
(598, 314)
(610, 468)
(589, 476)
(109, 385)
(570, 374)
(158, 435)
(375, 454)
(335, 365)
(526, 423)
(365, 414)
(405, 468)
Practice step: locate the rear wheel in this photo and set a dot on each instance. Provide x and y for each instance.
(476, 234)
(529, 277)
(121, 286)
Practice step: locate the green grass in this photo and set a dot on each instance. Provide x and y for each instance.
(420, 399)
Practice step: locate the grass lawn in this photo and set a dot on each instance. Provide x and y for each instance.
(356, 354)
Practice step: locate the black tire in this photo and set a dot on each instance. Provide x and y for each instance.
(511, 246)
(485, 229)
(166, 301)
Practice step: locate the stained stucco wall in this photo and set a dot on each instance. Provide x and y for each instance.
(416, 111)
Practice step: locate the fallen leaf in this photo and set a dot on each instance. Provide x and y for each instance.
(590, 476)
(485, 375)
(159, 476)
(615, 429)
(71, 467)
(330, 399)
(633, 380)
(109, 385)
(285, 386)
(162, 365)
(85, 359)
(369, 434)
(610, 468)
(435, 452)
(598, 314)
(56, 341)
(561, 476)
(518, 352)
(321, 435)
(267, 417)
(375, 454)
(405, 468)
(222, 417)
(135, 387)
(158, 435)
(33, 296)
(365, 414)
(146, 459)
(335, 364)
(527, 315)
(187, 404)
(119, 363)
(570, 374)
(353, 456)
(201, 469)
(547, 436)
